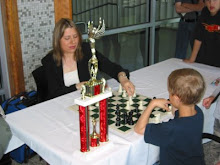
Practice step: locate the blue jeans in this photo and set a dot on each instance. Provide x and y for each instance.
(184, 36)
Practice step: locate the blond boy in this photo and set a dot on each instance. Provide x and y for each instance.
(180, 139)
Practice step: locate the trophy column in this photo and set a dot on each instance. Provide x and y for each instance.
(84, 128)
(103, 117)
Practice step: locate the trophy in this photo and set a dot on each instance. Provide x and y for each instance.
(93, 92)
(94, 86)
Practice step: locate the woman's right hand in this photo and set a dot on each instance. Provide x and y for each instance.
(79, 85)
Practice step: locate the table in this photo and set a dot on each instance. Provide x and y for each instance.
(52, 130)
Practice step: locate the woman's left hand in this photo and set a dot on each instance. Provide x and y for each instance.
(127, 85)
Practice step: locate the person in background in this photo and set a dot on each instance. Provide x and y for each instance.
(215, 147)
(179, 139)
(207, 36)
(188, 11)
(5, 133)
(66, 66)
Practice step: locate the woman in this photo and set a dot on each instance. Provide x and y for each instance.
(66, 66)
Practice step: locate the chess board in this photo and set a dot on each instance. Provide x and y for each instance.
(122, 102)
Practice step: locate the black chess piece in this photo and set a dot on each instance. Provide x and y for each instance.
(136, 109)
(130, 113)
(117, 112)
(118, 121)
(130, 118)
(131, 122)
(117, 107)
(125, 117)
(154, 97)
(138, 115)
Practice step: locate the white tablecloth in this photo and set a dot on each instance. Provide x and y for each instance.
(52, 130)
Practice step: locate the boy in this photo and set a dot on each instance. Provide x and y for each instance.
(180, 139)
(207, 36)
(188, 11)
(206, 103)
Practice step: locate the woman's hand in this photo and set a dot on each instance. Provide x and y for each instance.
(126, 83)
(188, 61)
(79, 85)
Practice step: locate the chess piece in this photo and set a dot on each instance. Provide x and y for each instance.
(118, 121)
(134, 95)
(157, 118)
(136, 109)
(120, 89)
(124, 93)
(117, 112)
(125, 117)
(169, 106)
(94, 136)
(97, 104)
(127, 105)
(130, 118)
(141, 107)
(117, 107)
(130, 100)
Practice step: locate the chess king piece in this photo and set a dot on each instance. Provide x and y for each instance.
(94, 142)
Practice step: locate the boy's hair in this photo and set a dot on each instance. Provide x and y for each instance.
(188, 84)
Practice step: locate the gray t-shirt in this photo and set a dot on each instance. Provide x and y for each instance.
(191, 15)
(217, 109)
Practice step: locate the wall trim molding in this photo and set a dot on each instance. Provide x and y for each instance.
(13, 46)
(63, 9)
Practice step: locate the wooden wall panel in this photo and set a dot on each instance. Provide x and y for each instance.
(63, 9)
(13, 46)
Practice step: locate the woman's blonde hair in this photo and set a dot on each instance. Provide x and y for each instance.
(188, 84)
(58, 33)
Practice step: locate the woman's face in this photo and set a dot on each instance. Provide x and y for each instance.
(70, 40)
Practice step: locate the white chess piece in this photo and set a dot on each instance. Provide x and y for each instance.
(134, 95)
(120, 89)
(141, 105)
(130, 100)
(128, 107)
(124, 93)
(157, 118)
(97, 104)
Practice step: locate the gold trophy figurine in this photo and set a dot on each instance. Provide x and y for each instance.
(94, 33)
(94, 142)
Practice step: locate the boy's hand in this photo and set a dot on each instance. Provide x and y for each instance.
(161, 103)
(208, 101)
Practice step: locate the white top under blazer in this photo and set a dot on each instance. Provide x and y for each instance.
(71, 78)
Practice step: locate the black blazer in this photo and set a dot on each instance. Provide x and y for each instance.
(54, 74)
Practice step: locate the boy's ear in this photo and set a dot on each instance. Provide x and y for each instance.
(177, 98)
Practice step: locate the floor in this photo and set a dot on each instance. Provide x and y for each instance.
(209, 159)
(128, 49)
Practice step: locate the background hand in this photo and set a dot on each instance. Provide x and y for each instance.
(188, 61)
(208, 101)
